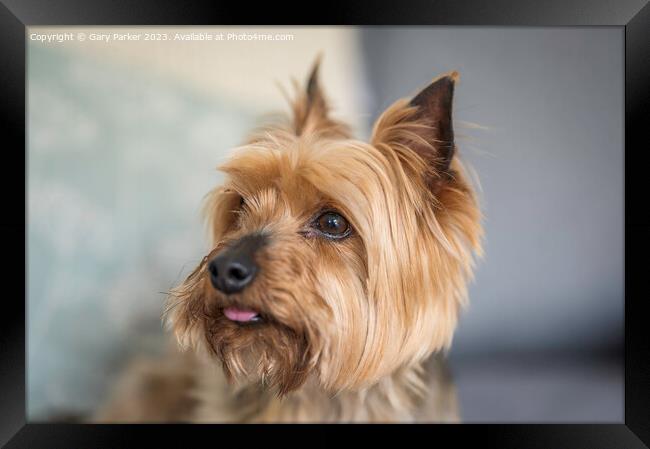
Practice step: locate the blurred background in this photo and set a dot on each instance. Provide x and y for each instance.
(124, 138)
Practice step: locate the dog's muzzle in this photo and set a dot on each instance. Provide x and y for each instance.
(234, 268)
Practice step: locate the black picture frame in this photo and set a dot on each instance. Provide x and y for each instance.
(632, 15)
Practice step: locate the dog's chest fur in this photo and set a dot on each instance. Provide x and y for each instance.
(409, 395)
(182, 388)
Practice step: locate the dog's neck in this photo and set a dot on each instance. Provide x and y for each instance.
(420, 392)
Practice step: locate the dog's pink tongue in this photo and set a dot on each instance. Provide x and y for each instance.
(238, 314)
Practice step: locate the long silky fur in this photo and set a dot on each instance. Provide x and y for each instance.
(351, 322)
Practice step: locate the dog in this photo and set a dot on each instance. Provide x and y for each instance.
(336, 275)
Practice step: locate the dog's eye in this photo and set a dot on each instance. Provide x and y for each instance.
(333, 225)
(242, 201)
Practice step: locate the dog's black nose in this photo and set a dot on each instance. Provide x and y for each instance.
(234, 268)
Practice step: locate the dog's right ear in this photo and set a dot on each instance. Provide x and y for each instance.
(311, 109)
(423, 125)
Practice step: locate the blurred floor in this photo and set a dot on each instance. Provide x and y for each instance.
(539, 388)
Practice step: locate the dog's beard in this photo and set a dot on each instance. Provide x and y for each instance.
(268, 352)
(278, 351)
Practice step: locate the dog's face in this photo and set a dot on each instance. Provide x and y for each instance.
(334, 258)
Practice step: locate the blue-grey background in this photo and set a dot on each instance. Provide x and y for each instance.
(119, 157)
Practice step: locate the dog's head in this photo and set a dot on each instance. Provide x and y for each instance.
(334, 258)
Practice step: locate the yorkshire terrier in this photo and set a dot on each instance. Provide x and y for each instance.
(335, 278)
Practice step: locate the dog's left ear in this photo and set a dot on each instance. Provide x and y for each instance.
(423, 125)
(311, 109)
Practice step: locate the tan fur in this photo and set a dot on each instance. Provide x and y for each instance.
(155, 390)
(180, 388)
(354, 323)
